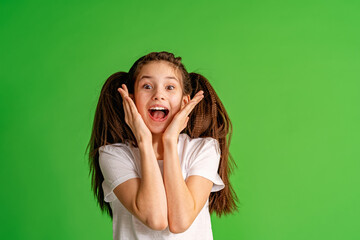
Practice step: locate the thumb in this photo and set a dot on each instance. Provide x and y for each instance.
(186, 121)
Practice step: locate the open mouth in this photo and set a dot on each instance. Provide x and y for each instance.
(158, 113)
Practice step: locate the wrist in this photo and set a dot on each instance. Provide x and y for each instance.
(169, 139)
(144, 140)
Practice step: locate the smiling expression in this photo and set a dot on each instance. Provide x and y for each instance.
(158, 86)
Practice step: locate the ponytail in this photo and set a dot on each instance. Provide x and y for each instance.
(109, 127)
(210, 119)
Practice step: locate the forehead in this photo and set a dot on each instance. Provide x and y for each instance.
(159, 70)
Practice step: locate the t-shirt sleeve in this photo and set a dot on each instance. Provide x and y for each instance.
(205, 162)
(117, 166)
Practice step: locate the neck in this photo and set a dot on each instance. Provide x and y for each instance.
(158, 146)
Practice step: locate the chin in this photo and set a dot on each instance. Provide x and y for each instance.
(158, 131)
(158, 128)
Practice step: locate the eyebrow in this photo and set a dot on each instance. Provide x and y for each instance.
(146, 76)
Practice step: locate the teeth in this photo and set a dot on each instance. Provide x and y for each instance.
(157, 108)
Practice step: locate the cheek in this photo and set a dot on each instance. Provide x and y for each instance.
(178, 104)
(139, 103)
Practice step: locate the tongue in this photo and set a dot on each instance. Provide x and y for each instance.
(158, 114)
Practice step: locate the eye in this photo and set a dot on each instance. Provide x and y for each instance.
(146, 86)
(170, 87)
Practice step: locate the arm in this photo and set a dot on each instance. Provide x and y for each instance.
(145, 198)
(185, 199)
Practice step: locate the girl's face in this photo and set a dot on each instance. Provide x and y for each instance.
(158, 94)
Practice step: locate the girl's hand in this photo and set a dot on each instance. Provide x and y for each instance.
(132, 117)
(180, 120)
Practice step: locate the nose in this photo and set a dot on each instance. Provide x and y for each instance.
(158, 95)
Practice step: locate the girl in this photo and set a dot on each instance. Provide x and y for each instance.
(159, 154)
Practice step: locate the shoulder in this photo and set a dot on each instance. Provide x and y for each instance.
(198, 144)
(116, 149)
(118, 156)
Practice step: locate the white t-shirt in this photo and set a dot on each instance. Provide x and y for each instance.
(120, 162)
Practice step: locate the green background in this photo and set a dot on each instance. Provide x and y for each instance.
(286, 71)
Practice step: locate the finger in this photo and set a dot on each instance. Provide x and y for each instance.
(128, 115)
(186, 122)
(197, 97)
(132, 106)
(125, 89)
(123, 92)
(188, 108)
(120, 90)
(130, 102)
(126, 106)
(201, 92)
(192, 103)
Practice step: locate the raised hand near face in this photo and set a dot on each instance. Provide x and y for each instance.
(132, 117)
(180, 120)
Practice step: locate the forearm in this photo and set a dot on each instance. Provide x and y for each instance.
(151, 197)
(181, 205)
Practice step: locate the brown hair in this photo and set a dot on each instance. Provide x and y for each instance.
(208, 119)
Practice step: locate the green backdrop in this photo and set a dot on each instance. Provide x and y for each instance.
(286, 71)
